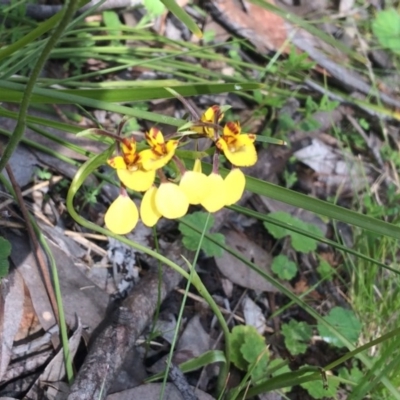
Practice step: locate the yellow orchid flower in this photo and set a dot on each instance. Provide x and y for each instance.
(238, 147)
(171, 201)
(122, 215)
(210, 116)
(160, 153)
(148, 210)
(195, 184)
(234, 183)
(215, 200)
(129, 168)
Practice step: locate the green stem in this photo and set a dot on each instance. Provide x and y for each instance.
(223, 375)
(57, 290)
(19, 129)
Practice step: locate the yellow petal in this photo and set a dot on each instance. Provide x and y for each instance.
(171, 201)
(195, 185)
(122, 215)
(235, 182)
(152, 161)
(117, 162)
(154, 137)
(148, 210)
(209, 116)
(210, 113)
(241, 152)
(232, 129)
(138, 180)
(197, 165)
(128, 145)
(171, 146)
(216, 197)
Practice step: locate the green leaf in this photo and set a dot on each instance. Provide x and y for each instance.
(317, 390)
(276, 231)
(255, 352)
(386, 27)
(207, 358)
(191, 238)
(278, 367)
(309, 124)
(325, 270)
(5, 251)
(284, 268)
(285, 123)
(154, 7)
(4, 267)
(111, 19)
(5, 248)
(345, 322)
(355, 374)
(299, 242)
(41, 29)
(105, 98)
(183, 16)
(249, 351)
(297, 336)
(237, 338)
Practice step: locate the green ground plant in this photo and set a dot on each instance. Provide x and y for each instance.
(5, 251)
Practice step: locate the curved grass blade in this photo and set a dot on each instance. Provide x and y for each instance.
(31, 36)
(207, 358)
(183, 16)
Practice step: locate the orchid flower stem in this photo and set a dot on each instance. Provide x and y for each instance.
(161, 175)
(192, 110)
(215, 169)
(201, 124)
(179, 164)
(19, 129)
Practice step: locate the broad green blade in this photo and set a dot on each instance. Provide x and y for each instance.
(122, 95)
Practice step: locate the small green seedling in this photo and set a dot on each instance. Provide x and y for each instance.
(249, 351)
(191, 238)
(345, 322)
(297, 336)
(386, 28)
(284, 268)
(320, 389)
(299, 242)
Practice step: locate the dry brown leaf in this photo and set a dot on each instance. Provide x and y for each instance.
(193, 342)
(301, 286)
(253, 315)
(80, 296)
(12, 299)
(264, 29)
(55, 370)
(346, 5)
(22, 163)
(238, 272)
(25, 261)
(335, 169)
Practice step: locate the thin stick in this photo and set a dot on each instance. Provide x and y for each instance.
(37, 250)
